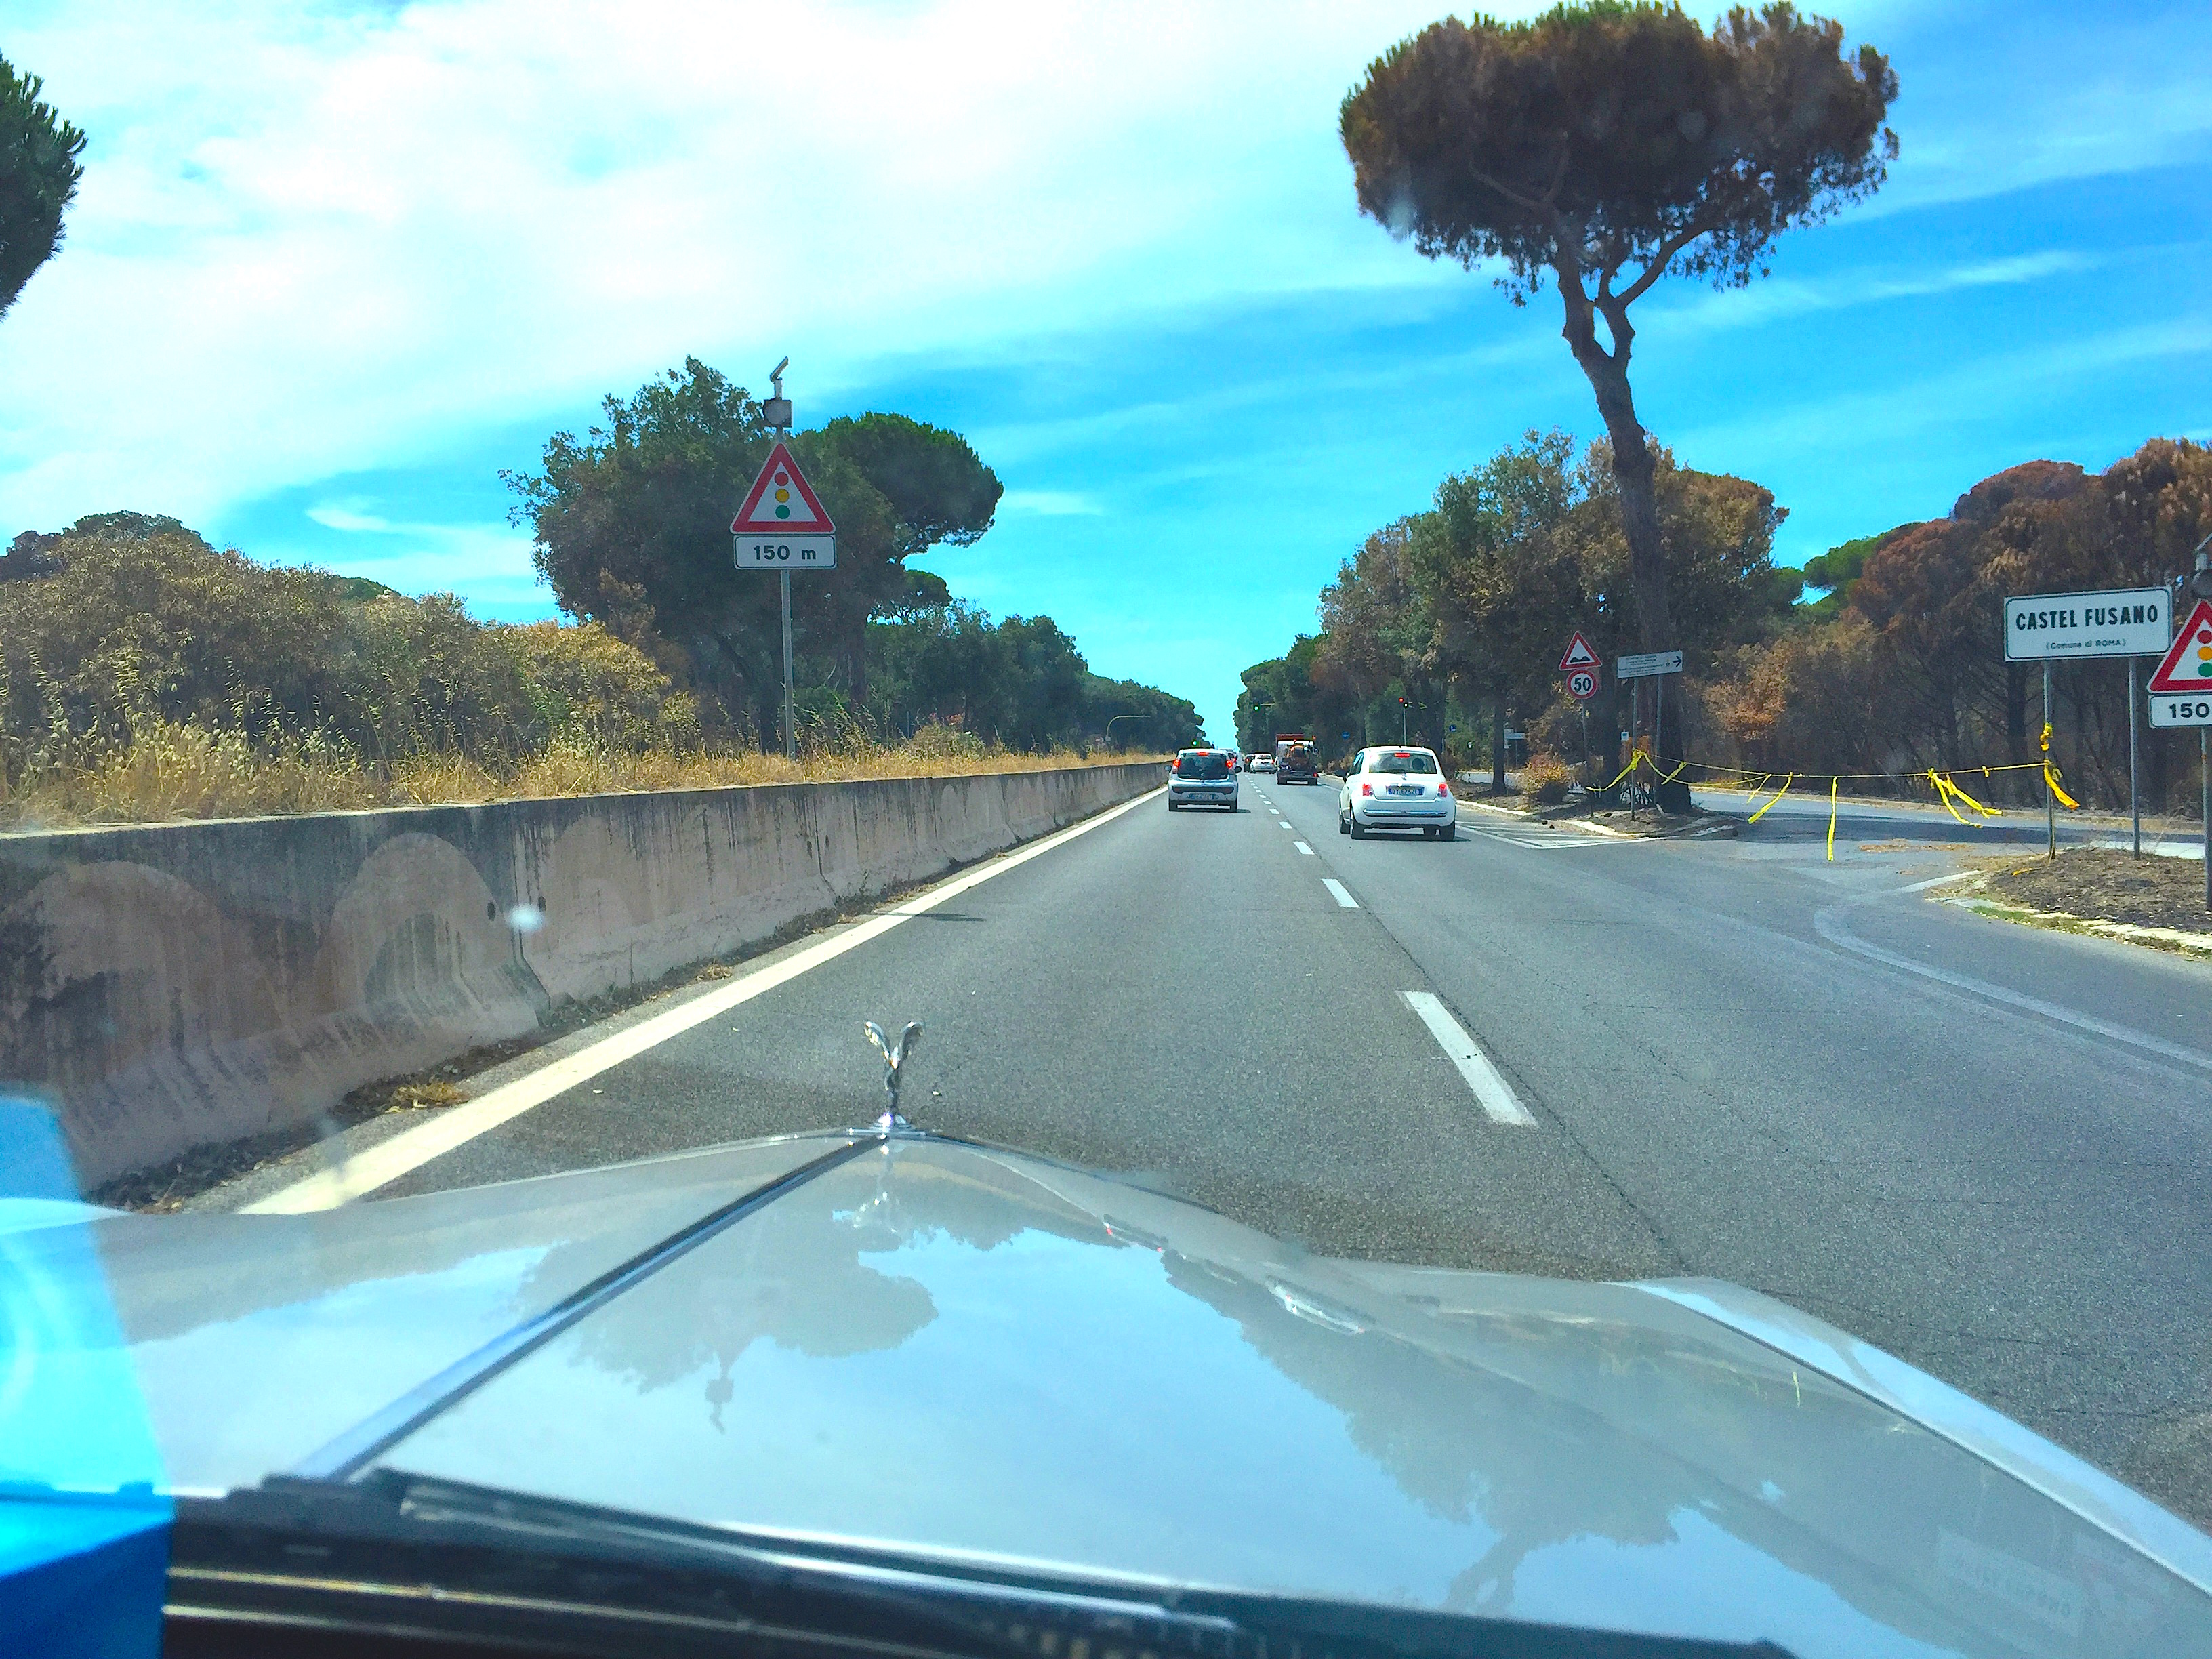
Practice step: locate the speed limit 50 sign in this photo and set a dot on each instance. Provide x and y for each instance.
(1581, 684)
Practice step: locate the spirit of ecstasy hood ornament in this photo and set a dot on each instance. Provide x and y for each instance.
(894, 1058)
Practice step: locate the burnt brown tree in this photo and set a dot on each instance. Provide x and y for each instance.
(1601, 145)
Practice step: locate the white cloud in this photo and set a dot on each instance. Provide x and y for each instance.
(333, 516)
(1050, 503)
(309, 241)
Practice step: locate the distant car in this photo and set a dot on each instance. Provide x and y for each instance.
(1202, 777)
(1263, 763)
(1296, 762)
(1396, 789)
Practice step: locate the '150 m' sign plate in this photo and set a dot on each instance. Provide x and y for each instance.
(787, 552)
(2194, 710)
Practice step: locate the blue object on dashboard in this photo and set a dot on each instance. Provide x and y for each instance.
(84, 1531)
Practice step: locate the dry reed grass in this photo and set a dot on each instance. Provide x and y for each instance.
(166, 771)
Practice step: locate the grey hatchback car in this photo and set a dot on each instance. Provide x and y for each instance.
(1202, 777)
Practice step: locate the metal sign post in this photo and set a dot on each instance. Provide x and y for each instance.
(781, 525)
(1648, 666)
(2049, 798)
(2135, 791)
(2120, 622)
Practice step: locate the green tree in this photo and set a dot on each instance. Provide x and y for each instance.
(632, 524)
(1837, 568)
(1598, 146)
(39, 176)
(1504, 586)
(1374, 648)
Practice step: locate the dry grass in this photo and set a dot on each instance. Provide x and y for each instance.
(1545, 779)
(166, 771)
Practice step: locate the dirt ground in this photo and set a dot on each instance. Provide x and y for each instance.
(2104, 884)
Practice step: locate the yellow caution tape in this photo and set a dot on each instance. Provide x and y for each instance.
(2046, 737)
(1945, 790)
(1778, 794)
(2050, 777)
(1832, 785)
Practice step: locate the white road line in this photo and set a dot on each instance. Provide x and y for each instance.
(385, 1163)
(1283, 825)
(1302, 848)
(1935, 881)
(1336, 891)
(1829, 924)
(1491, 1091)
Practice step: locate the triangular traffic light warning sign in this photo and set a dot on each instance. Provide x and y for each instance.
(782, 501)
(2187, 663)
(1579, 654)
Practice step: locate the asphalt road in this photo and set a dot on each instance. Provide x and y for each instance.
(1986, 1148)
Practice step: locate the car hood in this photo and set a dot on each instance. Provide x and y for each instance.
(958, 1352)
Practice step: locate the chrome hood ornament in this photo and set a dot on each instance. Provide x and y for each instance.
(895, 1058)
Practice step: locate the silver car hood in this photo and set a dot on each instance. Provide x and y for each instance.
(967, 1353)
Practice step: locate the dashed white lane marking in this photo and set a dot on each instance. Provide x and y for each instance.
(1285, 825)
(382, 1165)
(1336, 891)
(1491, 1091)
(1302, 848)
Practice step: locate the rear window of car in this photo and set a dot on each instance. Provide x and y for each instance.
(1201, 766)
(1388, 760)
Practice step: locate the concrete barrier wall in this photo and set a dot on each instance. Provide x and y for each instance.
(204, 982)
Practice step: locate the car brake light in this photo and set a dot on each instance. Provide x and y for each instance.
(1443, 789)
(1366, 788)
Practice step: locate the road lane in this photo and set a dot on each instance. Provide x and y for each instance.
(1175, 994)
(1696, 1070)
(2011, 1200)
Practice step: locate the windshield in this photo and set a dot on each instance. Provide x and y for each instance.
(1626, 588)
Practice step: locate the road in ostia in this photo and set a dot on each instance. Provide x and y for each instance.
(1986, 1148)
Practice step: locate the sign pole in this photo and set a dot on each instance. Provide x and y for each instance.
(2049, 801)
(790, 730)
(1635, 725)
(2135, 793)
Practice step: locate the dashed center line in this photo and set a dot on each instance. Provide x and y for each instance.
(1283, 825)
(1302, 848)
(1491, 1091)
(1336, 891)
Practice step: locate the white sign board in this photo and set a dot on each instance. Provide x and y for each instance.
(2124, 622)
(787, 552)
(2195, 709)
(1648, 663)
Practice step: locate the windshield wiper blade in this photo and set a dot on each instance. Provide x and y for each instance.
(402, 1554)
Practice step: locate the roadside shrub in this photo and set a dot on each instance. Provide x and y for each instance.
(1544, 779)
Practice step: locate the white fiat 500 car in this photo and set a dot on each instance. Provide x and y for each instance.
(1396, 789)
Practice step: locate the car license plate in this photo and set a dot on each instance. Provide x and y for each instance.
(1405, 788)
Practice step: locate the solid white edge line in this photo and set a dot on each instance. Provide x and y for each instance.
(1491, 1091)
(1831, 926)
(1935, 881)
(1336, 891)
(1302, 848)
(385, 1163)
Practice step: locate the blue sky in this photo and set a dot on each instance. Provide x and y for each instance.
(334, 267)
